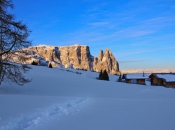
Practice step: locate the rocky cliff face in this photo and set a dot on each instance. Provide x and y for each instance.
(76, 56)
(106, 61)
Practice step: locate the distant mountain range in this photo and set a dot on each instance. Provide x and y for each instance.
(76, 56)
(148, 70)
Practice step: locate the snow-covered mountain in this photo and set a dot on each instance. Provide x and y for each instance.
(76, 56)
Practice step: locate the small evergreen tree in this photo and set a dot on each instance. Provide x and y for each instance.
(34, 63)
(50, 65)
(103, 75)
(100, 75)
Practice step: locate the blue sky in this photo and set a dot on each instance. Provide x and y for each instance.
(140, 33)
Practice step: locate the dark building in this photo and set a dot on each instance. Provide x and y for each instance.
(135, 78)
(163, 79)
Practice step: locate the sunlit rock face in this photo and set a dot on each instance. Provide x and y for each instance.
(76, 56)
(106, 62)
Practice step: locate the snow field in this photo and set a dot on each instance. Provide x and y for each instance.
(42, 116)
(57, 99)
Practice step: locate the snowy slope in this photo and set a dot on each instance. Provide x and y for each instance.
(61, 99)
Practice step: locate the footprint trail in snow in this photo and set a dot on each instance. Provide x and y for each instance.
(34, 119)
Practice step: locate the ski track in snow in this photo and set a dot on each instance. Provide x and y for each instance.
(26, 121)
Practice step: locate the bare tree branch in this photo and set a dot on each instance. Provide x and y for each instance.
(13, 37)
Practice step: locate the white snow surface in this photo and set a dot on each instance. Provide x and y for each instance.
(167, 77)
(61, 99)
(137, 76)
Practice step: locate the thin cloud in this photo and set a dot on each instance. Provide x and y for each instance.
(111, 27)
(131, 32)
(140, 33)
(129, 61)
(158, 22)
(134, 53)
(139, 44)
(144, 51)
(153, 20)
(109, 30)
(97, 24)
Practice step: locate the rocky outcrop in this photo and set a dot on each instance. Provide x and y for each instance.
(106, 62)
(76, 56)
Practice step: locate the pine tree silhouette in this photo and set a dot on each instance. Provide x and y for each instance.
(103, 75)
(100, 75)
(50, 65)
(34, 63)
